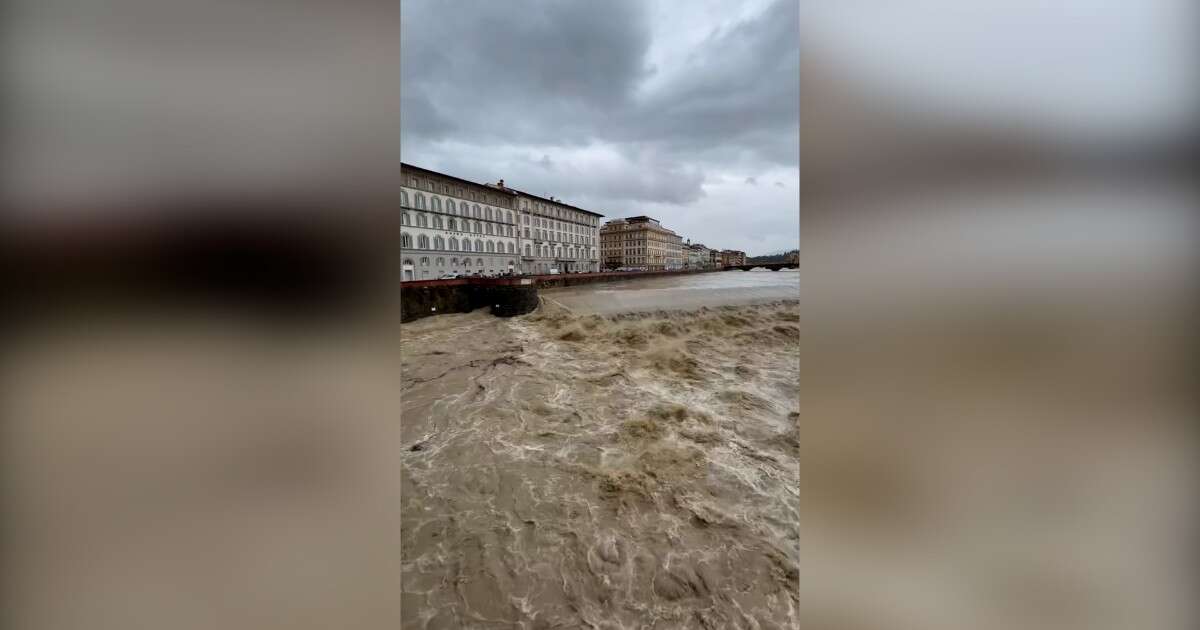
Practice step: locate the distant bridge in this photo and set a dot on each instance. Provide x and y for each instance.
(776, 266)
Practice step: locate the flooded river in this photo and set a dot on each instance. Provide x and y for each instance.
(625, 457)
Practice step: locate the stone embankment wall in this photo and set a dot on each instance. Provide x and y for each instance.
(506, 296)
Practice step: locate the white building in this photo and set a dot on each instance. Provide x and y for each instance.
(557, 235)
(449, 224)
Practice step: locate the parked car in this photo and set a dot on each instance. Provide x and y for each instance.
(448, 276)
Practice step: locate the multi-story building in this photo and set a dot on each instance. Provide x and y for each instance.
(640, 242)
(715, 259)
(556, 235)
(452, 225)
(792, 258)
(696, 256)
(732, 258)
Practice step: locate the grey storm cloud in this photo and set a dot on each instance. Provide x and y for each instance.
(575, 99)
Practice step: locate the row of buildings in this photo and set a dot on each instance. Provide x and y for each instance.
(452, 225)
(642, 242)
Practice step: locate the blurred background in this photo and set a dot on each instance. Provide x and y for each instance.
(998, 249)
(998, 367)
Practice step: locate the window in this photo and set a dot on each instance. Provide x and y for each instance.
(476, 208)
(453, 244)
(478, 245)
(405, 240)
(487, 213)
(512, 249)
(420, 201)
(422, 221)
(404, 218)
(403, 199)
(478, 228)
(441, 262)
(408, 261)
(489, 228)
(452, 224)
(424, 261)
(437, 221)
(466, 245)
(435, 203)
(422, 242)
(438, 243)
(509, 217)
(479, 261)
(527, 223)
(491, 247)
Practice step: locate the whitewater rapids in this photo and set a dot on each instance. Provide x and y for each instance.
(629, 470)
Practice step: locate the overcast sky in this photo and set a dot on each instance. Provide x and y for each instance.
(687, 112)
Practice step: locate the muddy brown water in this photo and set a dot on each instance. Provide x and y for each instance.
(626, 470)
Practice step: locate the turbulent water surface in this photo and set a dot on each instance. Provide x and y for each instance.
(580, 468)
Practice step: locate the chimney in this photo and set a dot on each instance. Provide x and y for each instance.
(500, 184)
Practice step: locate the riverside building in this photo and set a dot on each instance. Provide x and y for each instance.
(640, 242)
(452, 225)
(556, 237)
(732, 258)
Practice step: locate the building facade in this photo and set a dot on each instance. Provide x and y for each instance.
(696, 256)
(732, 258)
(452, 225)
(557, 237)
(640, 242)
(715, 259)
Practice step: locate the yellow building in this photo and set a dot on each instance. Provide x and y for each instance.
(640, 242)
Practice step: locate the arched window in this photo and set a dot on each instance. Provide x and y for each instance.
(479, 261)
(477, 211)
(422, 242)
(453, 225)
(450, 207)
(528, 250)
(466, 245)
(453, 244)
(489, 227)
(420, 201)
(491, 247)
(408, 261)
(405, 239)
(438, 243)
(437, 221)
(441, 261)
(512, 249)
(403, 199)
(422, 221)
(487, 213)
(424, 261)
(478, 228)
(478, 245)
(404, 218)
(510, 217)
(453, 261)
(510, 230)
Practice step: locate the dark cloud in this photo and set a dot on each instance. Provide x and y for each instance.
(577, 100)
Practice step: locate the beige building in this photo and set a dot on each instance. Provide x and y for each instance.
(640, 242)
(696, 256)
(715, 259)
(732, 258)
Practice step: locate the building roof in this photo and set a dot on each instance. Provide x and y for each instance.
(557, 201)
(410, 167)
